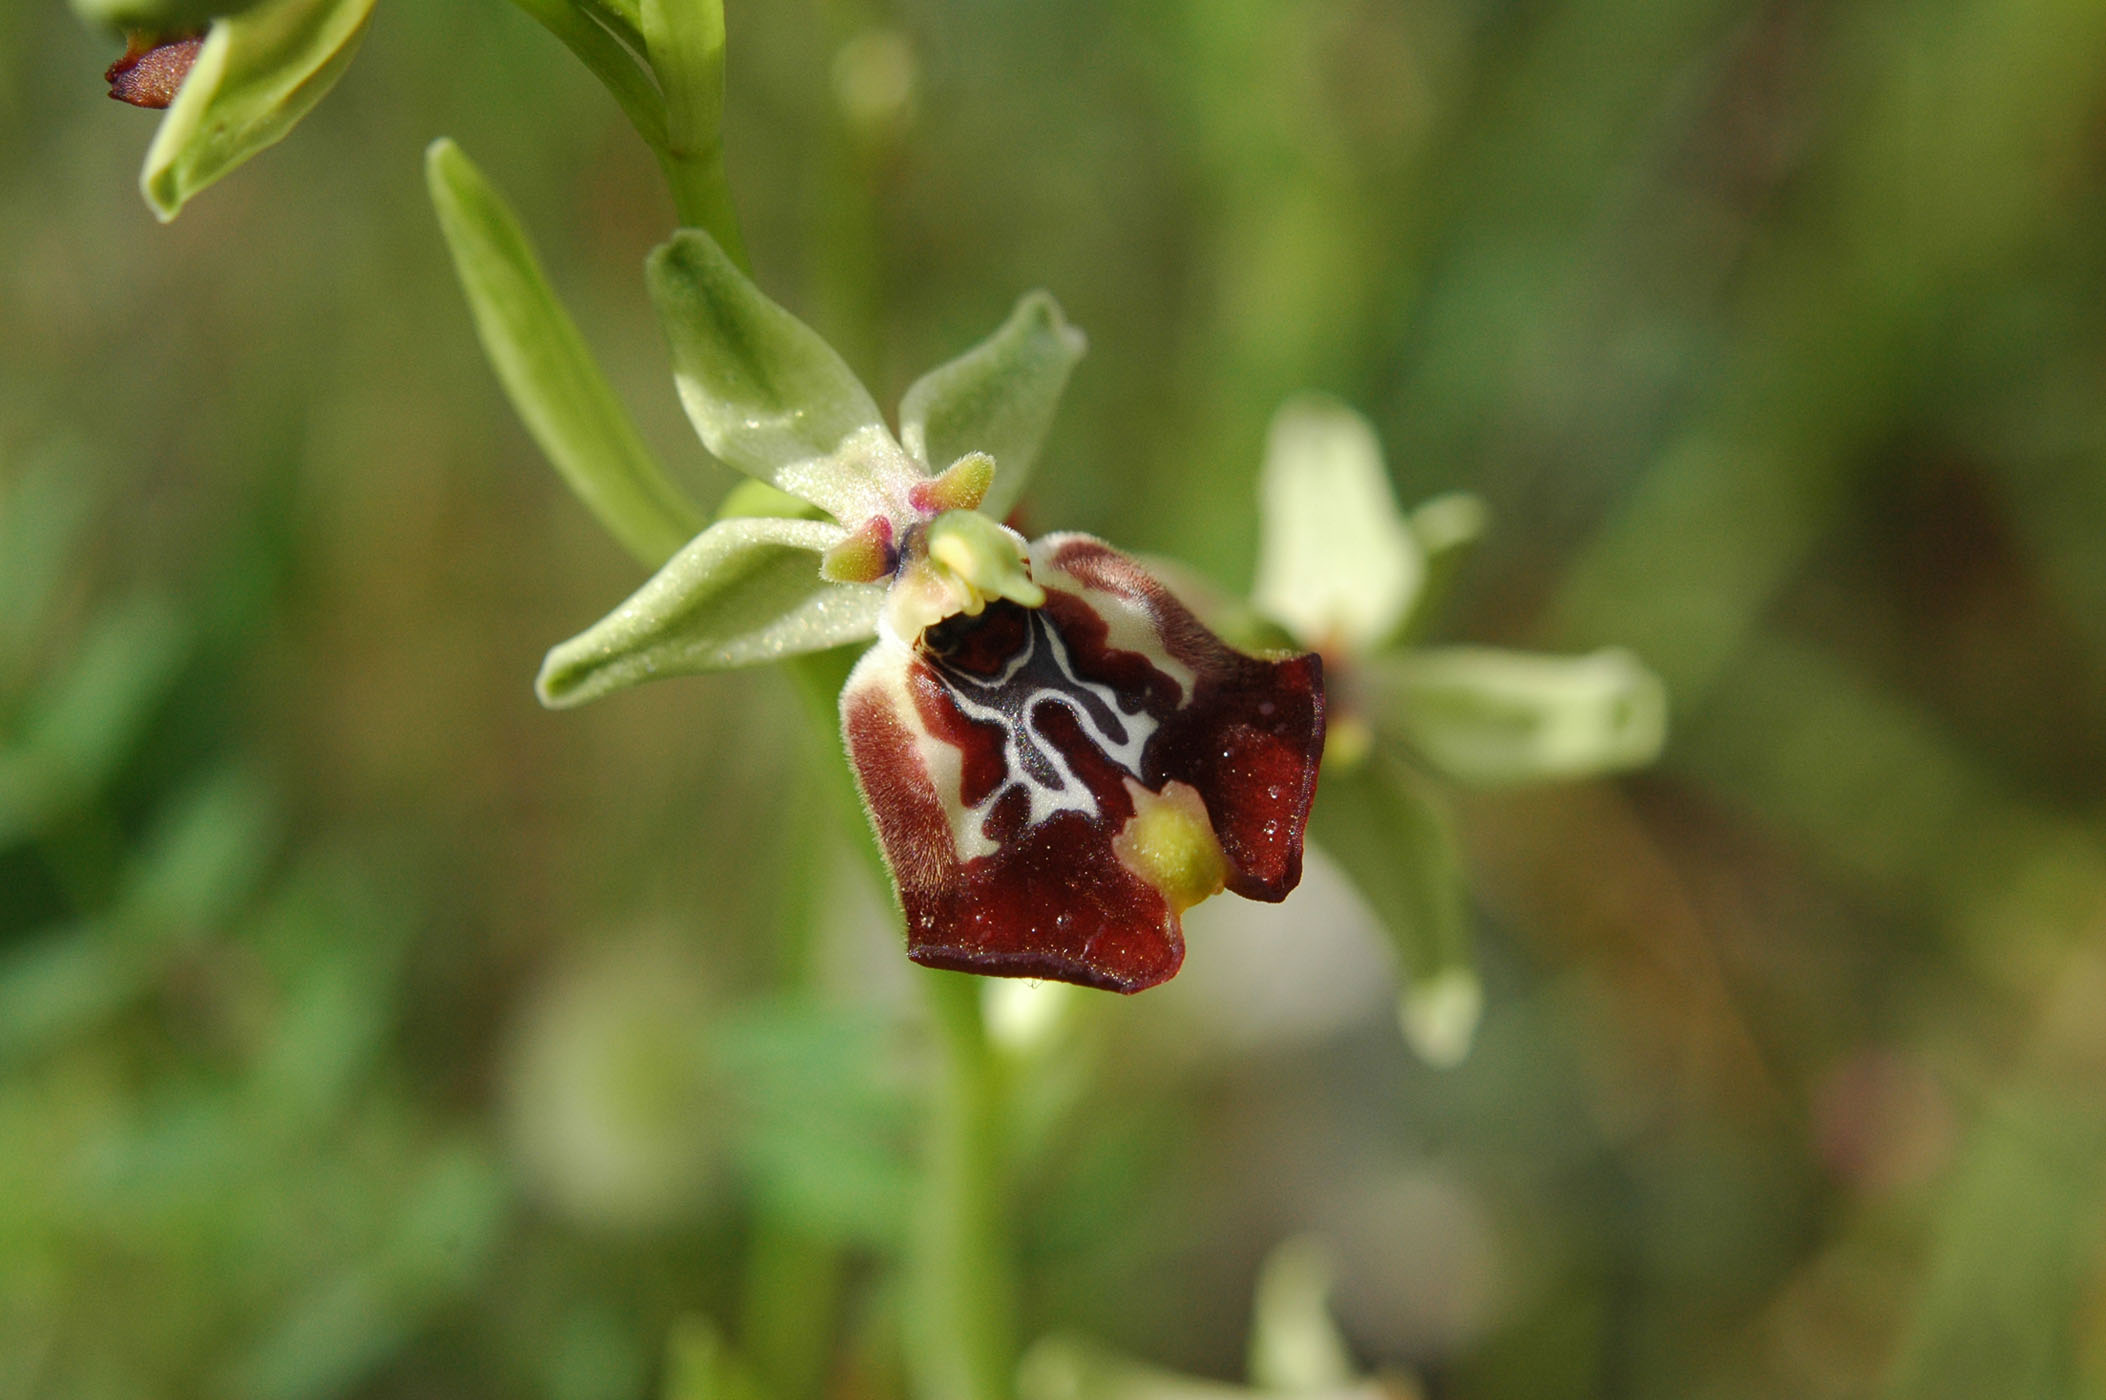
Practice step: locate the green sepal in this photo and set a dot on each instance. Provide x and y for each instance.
(768, 395)
(1338, 564)
(1447, 528)
(547, 370)
(159, 16)
(998, 397)
(751, 498)
(1393, 838)
(1295, 1345)
(1487, 716)
(741, 593)
(258, 73)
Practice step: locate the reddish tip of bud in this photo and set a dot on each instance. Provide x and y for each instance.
(153, 68)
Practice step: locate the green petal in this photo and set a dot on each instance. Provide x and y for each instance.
(257, 74)
(997, 398)
(1488, 716)
(159, 16)
(549, 374)
(743, 592)
(1338, 564)
(767, 395)
(1392, 837)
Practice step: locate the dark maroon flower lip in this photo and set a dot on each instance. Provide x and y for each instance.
(1022, 764)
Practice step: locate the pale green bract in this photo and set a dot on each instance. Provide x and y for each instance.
(547, 371)
(743, 592)
(1339, 565)
(258, 73)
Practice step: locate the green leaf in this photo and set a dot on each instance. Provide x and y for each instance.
(1390, 835)
(257, 74)
(159, 16)
(1338, 564)
(624, 17)
(1488, 716)
(547, 370)
(767, 395)
(743, 592)
(701, 1365)
(81, 725)
(998, 398)
(819, 1099)
(45, 507)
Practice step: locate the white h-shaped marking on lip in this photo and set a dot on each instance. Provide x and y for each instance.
(1020, 728)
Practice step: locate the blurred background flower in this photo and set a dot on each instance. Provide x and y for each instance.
(1769, 333)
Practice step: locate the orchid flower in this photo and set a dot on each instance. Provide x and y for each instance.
(1057, 757)
(1346, 572)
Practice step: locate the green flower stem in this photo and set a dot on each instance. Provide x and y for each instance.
(793, 1290)
(612, 64)
(961, 1329)
(961, 1324)
(679, 124)
(684, 40)
(702, 196)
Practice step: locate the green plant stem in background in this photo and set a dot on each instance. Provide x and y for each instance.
(961, 1330)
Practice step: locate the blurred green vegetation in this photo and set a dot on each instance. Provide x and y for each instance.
(366, 1031)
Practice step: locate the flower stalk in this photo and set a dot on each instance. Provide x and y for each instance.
(962, 1329)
